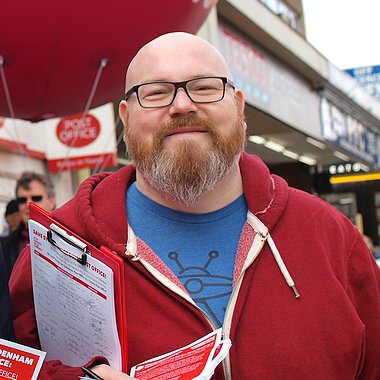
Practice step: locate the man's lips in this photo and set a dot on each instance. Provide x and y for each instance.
(182, 130)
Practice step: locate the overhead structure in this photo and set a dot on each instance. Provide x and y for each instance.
(60, 57)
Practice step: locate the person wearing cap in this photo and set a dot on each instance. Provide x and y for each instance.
(12, 217)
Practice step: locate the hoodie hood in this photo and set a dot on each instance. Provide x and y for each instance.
(102, 197)
(266, 194)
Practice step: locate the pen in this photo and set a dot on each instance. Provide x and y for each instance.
(91, 374)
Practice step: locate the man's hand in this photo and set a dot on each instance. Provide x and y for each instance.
(109, 373)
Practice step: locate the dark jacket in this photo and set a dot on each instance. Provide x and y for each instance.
(6, 325)
(11, 248)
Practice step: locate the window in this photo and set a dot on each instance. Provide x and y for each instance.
(283, 10)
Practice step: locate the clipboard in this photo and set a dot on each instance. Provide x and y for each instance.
(104, 254)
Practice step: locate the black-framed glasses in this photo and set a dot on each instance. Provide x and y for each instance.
(161, 94)
(34, 198)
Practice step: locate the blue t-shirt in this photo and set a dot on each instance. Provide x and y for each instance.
(200, 249)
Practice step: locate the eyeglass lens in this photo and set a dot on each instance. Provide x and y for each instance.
(202, 90)
(34, 198)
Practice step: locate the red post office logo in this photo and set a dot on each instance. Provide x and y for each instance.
(78, 130)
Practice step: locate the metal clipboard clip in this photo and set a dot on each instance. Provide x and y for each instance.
(70, 239)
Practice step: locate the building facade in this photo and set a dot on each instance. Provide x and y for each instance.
(306, 119)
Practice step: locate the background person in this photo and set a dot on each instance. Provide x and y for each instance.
(30, 187)
(209, 238)
(12, 217)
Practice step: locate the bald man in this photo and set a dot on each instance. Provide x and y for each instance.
(209, 238)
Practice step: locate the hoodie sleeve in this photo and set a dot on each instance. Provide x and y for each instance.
(363, 287)
(20, 286)
(25, 324)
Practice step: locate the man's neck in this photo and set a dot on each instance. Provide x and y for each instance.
(225, 192)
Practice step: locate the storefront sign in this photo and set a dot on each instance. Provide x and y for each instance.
(82, 141)
(349, 134)
(71, 143)
(268, 84)
(78, 130)
(249, 65)
(368, 77)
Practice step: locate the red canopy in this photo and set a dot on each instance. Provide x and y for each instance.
(52, 49)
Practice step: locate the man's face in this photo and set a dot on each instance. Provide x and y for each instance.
(186, 148)
(36, 189)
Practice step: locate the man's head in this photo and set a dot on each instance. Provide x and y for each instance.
(182, 147)
(12, 215)
(37, 188)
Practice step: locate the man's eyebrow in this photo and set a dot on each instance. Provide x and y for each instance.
(167, 80)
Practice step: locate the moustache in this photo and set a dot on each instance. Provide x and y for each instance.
(185, 121)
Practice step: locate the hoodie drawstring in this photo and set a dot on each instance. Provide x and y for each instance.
(281, 265)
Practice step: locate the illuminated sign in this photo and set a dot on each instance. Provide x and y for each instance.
(368, 77)
(348, 133)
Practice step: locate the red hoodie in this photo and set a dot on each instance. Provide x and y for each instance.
(332, 331)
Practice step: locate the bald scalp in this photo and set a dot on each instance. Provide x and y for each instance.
(178, 47)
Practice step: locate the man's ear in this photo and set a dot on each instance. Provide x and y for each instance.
(123, 113)
(240, 99)
(245, 127)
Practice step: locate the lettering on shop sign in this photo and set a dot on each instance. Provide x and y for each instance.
(368, 77)
(78, 130)
(246, 59)
(348, 133)
(249, 66)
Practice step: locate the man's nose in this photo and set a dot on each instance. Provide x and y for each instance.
(182, 103)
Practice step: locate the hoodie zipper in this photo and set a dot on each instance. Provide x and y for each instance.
(255, 249)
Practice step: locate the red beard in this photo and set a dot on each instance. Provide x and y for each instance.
(190, 171)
